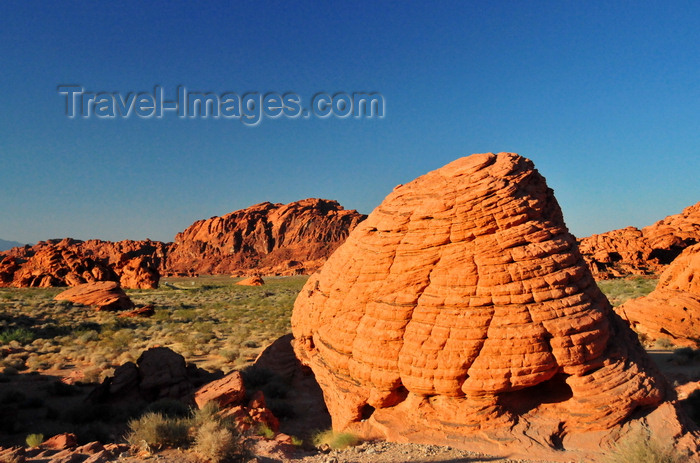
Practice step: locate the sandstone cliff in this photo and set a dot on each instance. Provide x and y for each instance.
(267, 239)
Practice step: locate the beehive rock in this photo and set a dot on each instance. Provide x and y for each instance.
(672, 310)
(461, 312)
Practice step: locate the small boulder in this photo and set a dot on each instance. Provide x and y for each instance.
(255, 280)
(103, 295)
(60, 442)
(226, 391)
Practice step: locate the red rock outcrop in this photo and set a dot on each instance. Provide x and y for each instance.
(69, 262)
(672, 310)
(103, 295)
(252, 281)
(461, 312)
(271, 239)
(631, 251)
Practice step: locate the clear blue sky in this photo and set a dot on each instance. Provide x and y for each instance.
(604, 97)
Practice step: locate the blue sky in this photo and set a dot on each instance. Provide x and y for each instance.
(604, 97)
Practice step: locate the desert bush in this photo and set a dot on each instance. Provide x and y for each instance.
(663, 343)
(158, 431)
(34, 440)
(643, 448)
(265, 431)
(336, 440)
(20, 335)
(217, 442)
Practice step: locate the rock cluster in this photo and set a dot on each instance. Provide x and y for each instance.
(631, 251)
(271, 239)
(158, 373)
(103, 295)
(461, 312)
(672, 310)
(230, 394)
(69, 262)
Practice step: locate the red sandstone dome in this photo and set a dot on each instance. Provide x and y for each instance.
(460, 311)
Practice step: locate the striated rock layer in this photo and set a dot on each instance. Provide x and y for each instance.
(268, 239)
(69, 262)
(672, 310)
(631, 251)
(461, 312)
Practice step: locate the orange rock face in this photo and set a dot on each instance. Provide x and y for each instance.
(252, 281)
(672, 310)
(461, 312)
(272, 239)
(103, 295)
(631, 251)
(69, 262)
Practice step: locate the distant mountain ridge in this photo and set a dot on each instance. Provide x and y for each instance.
(5, 245)
(268, 239)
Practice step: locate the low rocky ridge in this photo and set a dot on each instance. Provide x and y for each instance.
(69, 262)
(672, 310)
(631, 251)
(462, 313)
(267, 239)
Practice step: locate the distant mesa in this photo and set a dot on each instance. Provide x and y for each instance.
(631, 251)
(461, 313)
(269, 239)
(672, 310)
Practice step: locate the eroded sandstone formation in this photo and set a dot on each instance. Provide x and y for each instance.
(255, 280)
(672, 310)
(461, 312)
(69, 262)
(103, 295)
(271, 239)
(631, 251)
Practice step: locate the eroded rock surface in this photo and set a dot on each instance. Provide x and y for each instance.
(672, 310)
(103, 295)
(631, 251)
(69, 262)
(255, 280)
(272, 239)
(461, 312)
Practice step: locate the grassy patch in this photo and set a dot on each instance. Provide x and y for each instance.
(621, 290)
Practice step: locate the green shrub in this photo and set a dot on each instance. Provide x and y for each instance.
(34, 440)
(641, 448)
(21, 335)
(335, 440)
(265, 431)
(158, 431)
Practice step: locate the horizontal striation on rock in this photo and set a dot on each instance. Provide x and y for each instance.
(464, 287)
